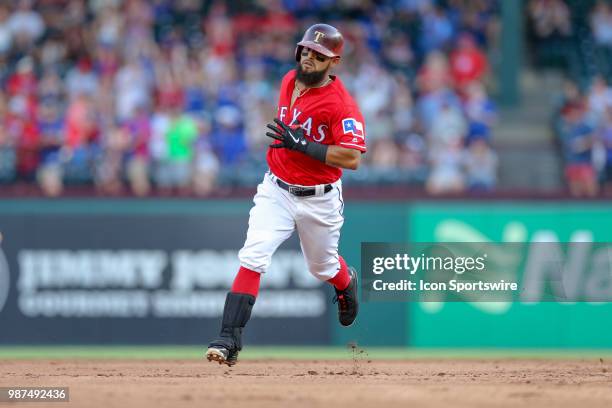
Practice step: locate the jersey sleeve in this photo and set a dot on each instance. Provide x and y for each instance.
(348, 128)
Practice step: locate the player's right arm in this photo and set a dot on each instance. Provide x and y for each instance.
(293, 138)
(348, 133)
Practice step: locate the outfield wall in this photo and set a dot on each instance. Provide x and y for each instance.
(517, 324)
(156, 271)
(138, 272)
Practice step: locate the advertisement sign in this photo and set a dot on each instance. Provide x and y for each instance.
(149, 278)
(575, 236)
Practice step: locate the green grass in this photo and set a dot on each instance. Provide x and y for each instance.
(284, 352)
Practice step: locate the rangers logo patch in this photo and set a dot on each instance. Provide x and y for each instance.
(353, 126)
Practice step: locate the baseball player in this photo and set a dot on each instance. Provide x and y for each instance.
(318, 131)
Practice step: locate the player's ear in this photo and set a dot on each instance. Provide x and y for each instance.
(334, 61)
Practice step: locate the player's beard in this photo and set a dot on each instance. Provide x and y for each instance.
(311, 78)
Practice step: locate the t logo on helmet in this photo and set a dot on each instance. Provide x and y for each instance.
(325, 39)
(318, 36)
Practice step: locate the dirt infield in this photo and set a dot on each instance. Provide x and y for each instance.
(283, 383)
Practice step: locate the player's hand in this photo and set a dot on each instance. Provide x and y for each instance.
(290, 138)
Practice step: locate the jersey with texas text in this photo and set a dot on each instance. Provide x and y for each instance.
(328, 115)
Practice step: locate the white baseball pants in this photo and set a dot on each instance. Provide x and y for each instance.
(275, 216)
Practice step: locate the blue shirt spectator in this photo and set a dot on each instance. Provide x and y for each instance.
(577, 136)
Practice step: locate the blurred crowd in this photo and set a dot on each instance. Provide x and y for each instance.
(172, 96)
(583, 117)
(583, 125)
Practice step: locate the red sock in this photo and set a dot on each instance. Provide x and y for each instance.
(342, 278)
(246, 281)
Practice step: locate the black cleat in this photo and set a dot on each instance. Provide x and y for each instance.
(222, 355)
(348, 304)
(236, 314)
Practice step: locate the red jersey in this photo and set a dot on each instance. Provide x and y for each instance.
(467, 66)
(328, 115)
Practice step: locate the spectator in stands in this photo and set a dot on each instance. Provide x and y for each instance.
(571, 95)
(385, 155)
(82, 79)
(446, 175)
(6, 35)
(480, 163)
(23, 82)
(434, 84)
(26, 24)
(577, 137)
(415, 6)
(109, 24)
(601, 31)
(139, 130)
(257, 105)
(8, 157)
(109, 170)
(404, 116)
(53, 52)
(413, 156)
(181, 137)
(115, 90)
(599, 99)
(81, 142)
(449, 129)
(21, 87)
(169, 89)
(23, 129)
(193, 85)
(552, 31)
(398, 54)
(206, 162)
(467, 62)
(158, 145)
(381, 128)
(436, 31)
(51, 90)
(373, 95)
(480, 112)
(51, 127)
(476, 18)
(601, 24)
(132, 89)
(551, 18)
(228, 139)
(604, 135)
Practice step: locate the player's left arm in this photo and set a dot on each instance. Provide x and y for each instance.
(343, 157)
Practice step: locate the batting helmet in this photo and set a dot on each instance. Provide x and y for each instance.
(322, 38)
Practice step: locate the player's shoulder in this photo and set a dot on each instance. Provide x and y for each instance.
(289, 76)
(344, 98)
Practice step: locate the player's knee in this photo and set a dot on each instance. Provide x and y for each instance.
(324, 270)
(254, 260)
(256, 254)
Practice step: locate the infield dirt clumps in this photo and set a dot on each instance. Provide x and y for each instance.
(360, 382)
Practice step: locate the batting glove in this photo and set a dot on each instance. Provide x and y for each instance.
(295, 139)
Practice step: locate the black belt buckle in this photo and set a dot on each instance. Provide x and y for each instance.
(301, 191)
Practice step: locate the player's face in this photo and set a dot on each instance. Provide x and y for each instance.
(313, 67)
(313, 61)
